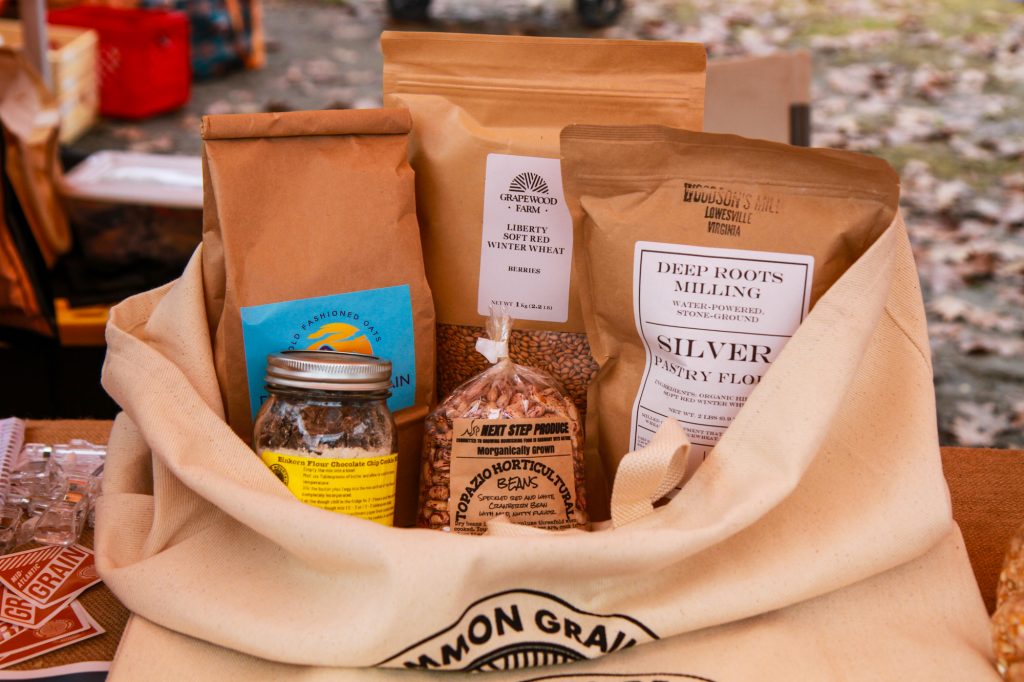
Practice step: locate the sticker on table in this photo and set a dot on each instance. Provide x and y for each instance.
(17, 610)
(73, 624)
(49, 575)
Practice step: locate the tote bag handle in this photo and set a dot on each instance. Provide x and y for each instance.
(648, 474)
(644, 477)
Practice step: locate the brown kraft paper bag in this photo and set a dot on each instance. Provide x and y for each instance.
(486, 112)
(700, 255)
(310, 240)
(31, 122)
(816, 544)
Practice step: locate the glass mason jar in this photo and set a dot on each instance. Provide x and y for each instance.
(326, 432)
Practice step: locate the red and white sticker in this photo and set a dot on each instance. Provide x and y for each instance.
(20, 611)
(50, 575)
(72, 624)
(71, 619)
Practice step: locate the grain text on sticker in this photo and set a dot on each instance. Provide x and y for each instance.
(15, 609)
(55, 573)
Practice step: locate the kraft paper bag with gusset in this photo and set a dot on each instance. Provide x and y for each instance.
(700, 255)
(815, 543)
(311, 242)
(486, 113)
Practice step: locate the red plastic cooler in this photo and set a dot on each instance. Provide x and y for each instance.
(144, 64)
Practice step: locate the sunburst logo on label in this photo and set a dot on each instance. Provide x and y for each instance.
(521, 629)
(528, 182)
(339, 336)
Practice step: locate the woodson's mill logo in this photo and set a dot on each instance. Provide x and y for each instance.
(529, 193)
(521, 629)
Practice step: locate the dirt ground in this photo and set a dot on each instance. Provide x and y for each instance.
(934, 86)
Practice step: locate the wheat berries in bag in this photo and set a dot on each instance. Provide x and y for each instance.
(700, 255)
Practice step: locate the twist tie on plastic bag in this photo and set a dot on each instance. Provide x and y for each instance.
(494, 346)
(492, 350)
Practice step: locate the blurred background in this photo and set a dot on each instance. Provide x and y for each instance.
(936, 87)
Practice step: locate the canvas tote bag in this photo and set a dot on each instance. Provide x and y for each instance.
(816, 543)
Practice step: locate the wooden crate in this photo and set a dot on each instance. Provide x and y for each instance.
(72, 56)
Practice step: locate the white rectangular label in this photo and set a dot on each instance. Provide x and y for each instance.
(526, 254)
(712, 321)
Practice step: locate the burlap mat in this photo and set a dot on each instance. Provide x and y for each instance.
(98, 601)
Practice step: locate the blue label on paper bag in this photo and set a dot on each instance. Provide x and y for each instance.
(374, 322)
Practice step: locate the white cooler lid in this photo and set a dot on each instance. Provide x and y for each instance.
(133, 178)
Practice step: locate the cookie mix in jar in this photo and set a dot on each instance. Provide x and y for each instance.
(508, 442)
(327, 433)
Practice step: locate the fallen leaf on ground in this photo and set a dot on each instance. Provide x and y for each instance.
(977, 425)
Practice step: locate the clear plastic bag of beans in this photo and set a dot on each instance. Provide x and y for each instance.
(508, 442)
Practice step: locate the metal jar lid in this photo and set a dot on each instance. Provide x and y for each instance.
(328, 370)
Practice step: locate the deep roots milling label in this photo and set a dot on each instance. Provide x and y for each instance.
(712, 322)
(521, 629)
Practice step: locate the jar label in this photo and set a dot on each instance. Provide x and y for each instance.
(357, 486)
(522, 468)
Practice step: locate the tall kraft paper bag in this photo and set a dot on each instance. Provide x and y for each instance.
(816, 544)
(487, 111)
(311, 242)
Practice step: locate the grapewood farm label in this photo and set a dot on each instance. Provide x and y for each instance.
(526, 250)
(521, 629)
